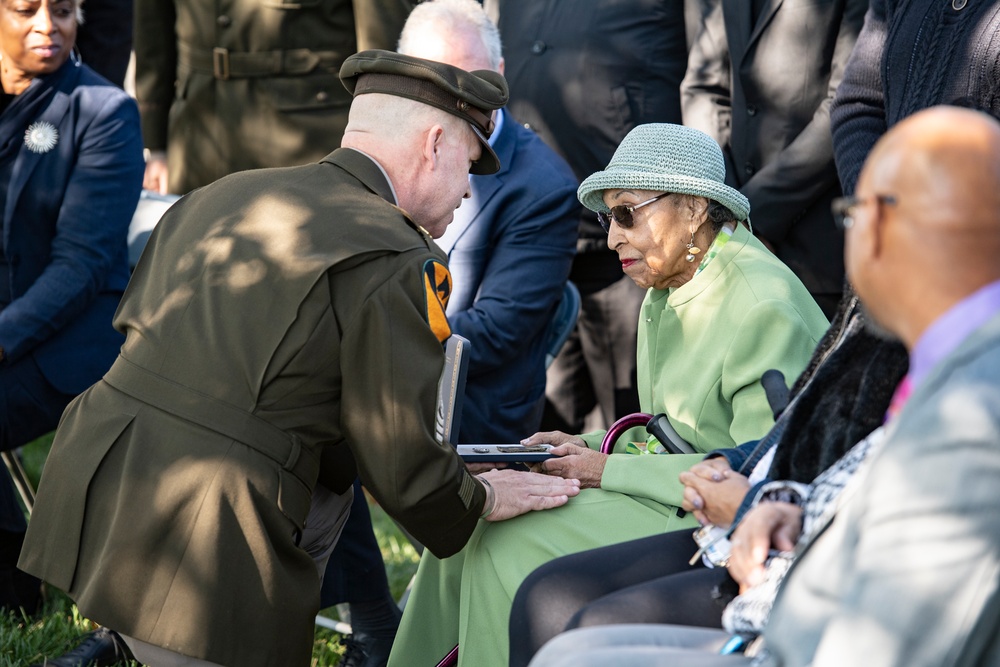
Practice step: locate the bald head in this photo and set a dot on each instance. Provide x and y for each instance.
(927, 230)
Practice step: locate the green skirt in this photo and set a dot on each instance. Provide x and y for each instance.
(466, 599)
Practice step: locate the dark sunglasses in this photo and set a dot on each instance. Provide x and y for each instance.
(622, 214)
(843, 208)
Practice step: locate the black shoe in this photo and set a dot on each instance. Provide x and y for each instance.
(100, 648)
(363, 650)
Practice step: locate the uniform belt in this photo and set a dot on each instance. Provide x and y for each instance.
(215, 415)
(225, 64)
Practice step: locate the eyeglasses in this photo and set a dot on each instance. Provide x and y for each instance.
(843, 208)
(622, 214)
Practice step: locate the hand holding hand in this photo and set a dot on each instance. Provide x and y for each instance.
(517, 492)
(771, 525)
(155, 178)
(713, 491)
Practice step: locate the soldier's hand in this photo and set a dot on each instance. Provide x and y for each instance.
(155, 178)
(517, 492)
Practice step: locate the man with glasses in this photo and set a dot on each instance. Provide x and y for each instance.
(902, 569)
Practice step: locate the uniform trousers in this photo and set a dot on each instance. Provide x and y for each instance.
(355, 571)
(327, 515)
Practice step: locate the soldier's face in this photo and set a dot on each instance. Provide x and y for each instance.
(459, 149)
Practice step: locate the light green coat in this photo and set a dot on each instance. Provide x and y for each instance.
(701, 351)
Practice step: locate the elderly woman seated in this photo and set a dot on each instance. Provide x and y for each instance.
(720, 310)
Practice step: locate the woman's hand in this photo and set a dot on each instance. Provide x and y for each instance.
(770, 525)
(713, 491)
(572, 459)
(553, 438)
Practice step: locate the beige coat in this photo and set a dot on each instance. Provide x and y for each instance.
(274, 315)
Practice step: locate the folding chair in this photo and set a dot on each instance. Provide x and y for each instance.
(12, 459)
(148, 212)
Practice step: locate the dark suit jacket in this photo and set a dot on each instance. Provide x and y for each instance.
(583, 73)
(105, 38)
(512, 245)
(763, 91)
(65, 222)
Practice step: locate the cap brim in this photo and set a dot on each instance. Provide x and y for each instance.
(488, 162)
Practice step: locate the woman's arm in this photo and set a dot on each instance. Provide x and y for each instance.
(94, 213)
(857, 115)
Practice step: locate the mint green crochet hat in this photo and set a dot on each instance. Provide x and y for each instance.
(665, 158)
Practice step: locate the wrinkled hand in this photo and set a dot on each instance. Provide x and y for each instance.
(155, 178)
(519, 492)
(571, 461)
(770, 525)
(577, 460)
(713, 491)
(553, 438)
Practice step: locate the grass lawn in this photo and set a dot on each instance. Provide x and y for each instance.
(58, 627)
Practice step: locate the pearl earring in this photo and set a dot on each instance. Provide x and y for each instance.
(692, 250)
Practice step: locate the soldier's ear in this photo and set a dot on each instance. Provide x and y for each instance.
(433, 145)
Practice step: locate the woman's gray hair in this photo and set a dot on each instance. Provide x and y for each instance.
(455, 14)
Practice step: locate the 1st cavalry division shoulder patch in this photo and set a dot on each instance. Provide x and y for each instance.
(437, 290)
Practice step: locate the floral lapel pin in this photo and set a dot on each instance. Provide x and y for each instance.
(41, 137)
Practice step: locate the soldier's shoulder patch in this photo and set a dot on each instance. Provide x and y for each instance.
(437, 291)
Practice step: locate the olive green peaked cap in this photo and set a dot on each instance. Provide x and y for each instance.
(472, 96)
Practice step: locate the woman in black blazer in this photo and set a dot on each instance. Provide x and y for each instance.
(70, 173)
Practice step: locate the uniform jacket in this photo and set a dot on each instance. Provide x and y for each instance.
(907, 571)
(66, 214)
(274, 315)
(243, 84)
(754, 315)
(510, 249)
(764, 91)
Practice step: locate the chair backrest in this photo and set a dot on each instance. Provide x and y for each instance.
(148, 212)
(563, 321)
